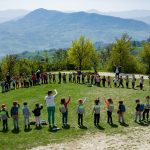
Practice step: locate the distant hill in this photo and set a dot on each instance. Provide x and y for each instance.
(45, 29)
(8, 15)
(144, 19)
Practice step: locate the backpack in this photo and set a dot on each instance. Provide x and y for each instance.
(122, 108)
(97, 109)
(3, 115)
(14, 110)
(141, 108)
(80, 109)
(62, 109)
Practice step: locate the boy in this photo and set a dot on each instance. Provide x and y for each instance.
(96, 111)
(37, 113)
(146, 108)
(121, 111)
(4, 117)
(14, 114)
(26, 114)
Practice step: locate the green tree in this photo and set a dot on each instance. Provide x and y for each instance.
(59, 59)
(145, 55)
(80, 52)
(121, 55)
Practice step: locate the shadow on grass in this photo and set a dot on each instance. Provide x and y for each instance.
(4, 131)
(66, 126)
(124, 124)
(15, 131)
(100, 127)
(114, 125)
(83, 127)
(38, 128)
(27, 130)
(142, 123)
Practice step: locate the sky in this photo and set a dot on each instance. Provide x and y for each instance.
(76, 5)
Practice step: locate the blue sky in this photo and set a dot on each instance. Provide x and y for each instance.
(101, 5)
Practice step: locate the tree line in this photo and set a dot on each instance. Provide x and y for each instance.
(82, 55)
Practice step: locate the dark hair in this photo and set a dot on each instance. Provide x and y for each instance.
(50, 92)
(37, 105)
(62, 101)
(147, 97)
(25, 103)
(110, 100)
(137, 100)
(96, 101)
(120, 102)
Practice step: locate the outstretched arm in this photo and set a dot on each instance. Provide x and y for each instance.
(55, 93)
(84, 100)
(68, 100)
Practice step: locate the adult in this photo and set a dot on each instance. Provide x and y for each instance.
(117, 70)
(51, 107)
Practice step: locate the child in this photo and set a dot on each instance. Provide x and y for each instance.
(127, 81)
(121, 82)
(110, 108)
(64, 110)
(141, 83)
(133, 81)
(4, 117)
(96, 111)
(120, 112)
(103, 81)
(26, 114)
(109, 81)
(146, 108)
(37, 113)
(14, 114)
(138, 109)
(115, 80)
(80, 110)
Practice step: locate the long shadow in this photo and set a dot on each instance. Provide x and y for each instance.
(124, 124)
(114, 125)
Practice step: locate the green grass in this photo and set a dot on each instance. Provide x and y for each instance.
(25, 140)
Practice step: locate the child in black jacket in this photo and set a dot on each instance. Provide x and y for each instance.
(37, 113)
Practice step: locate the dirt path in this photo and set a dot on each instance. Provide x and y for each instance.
(137, 138)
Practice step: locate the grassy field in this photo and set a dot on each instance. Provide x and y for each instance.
(33, 138)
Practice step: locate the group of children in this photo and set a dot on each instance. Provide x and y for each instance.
(141, 112)
(73, 77)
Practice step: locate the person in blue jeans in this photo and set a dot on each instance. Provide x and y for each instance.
(51, 108)
(64, 110)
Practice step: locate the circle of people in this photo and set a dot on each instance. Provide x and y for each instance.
(87, 78)
(141, 112)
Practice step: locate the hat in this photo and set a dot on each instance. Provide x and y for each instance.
(3, 106)
(14, 103)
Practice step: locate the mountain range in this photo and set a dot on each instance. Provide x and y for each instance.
(46, 29)
(15, 14)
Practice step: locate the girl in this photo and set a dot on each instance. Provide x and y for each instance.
(96, 112)
(109, 81)
(103, 81)
(110, 108)
(138, 112)
(120, 112)
(64, 110)
(133, 81)
(80, 111)
(37, 113)
(141, 83)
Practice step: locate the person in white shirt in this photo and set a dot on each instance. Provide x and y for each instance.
(51, 107)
